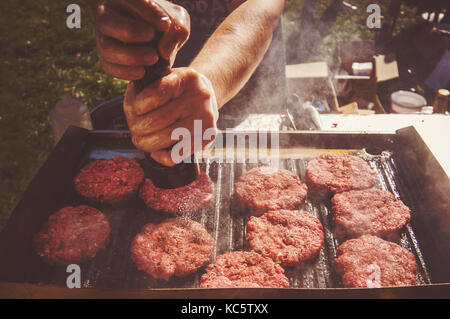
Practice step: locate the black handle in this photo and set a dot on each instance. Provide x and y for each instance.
(171, 177)
(164, 176)
(152, 74)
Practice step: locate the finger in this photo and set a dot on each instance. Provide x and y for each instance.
(163, 138)
(129, 73)
(128, 102)
(114, 51)
(147, 10)
(160, 117)
(160, 92)
(172, 41)
(117, 25)
(169, 44)
(163, 157)
(155, 141)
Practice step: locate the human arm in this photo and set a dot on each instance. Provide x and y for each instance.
(235, 49)
(219, 71)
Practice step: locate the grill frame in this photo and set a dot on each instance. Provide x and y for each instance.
(64, 163)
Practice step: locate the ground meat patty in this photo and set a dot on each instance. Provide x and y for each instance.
(338, 173)
(369, 211)
(109, 181)
(244, 269)
(370, 261)
(177, 246)
(266, 188)
(72, 235)
(286, 236)
(179, 200)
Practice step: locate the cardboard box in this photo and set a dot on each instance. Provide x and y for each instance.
(311, 82)
(362, 89)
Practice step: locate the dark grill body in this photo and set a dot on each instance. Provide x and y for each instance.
(113, 267)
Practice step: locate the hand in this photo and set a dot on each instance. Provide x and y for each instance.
(124, 29)
(173, 102)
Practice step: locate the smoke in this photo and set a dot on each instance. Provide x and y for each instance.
(265, 91)
(312, 28)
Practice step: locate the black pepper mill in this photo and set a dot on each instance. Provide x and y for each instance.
(164, 176)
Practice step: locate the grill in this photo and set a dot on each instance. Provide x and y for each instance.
(52, 189)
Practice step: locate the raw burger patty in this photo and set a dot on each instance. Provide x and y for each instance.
(244, 269)
(360, 261)
(72, 235)
(109, 181)
(338, 173)
(286, 236)
(266, 188)
(177, 246)
(369, 211)
(179, 200)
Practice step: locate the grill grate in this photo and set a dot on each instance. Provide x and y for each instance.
(113, 268)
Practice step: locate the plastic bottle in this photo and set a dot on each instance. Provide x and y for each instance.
(69, 111)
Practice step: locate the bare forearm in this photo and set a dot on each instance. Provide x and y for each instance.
(236, 48)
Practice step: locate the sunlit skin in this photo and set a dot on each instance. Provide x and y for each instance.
(219, 71)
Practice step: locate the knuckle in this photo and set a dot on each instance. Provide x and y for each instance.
(204, 93)
(144, 124)
(209, 119)
(134, 129)
(182, 34)
(194, 78)
(136, 141)
(165, 87)
(178, 9)
(191, 71)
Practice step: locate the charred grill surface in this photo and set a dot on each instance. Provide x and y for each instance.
(113, 267)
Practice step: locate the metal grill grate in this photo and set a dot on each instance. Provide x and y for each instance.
(113, 268)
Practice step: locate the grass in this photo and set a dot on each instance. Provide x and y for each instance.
(42, 60)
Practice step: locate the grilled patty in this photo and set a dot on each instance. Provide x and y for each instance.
(266, 188)
(109, 181)
(244, 269)
(369, 211)
(177, 246)
(178, 200)
(370, 261)
(287, 237)
(328, 174)
(72, 235)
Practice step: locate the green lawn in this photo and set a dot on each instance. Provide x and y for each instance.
(42, 60)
